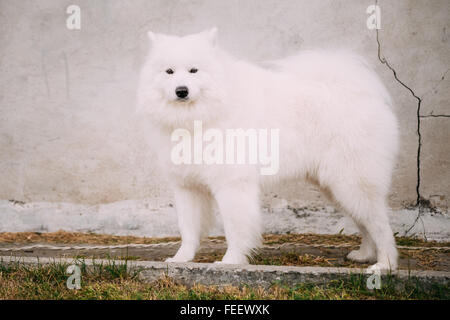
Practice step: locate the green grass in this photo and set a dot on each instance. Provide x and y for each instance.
(113, 281)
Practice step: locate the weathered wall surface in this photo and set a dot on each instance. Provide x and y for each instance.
(67, 96)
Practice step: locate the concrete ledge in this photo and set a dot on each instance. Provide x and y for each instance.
(253, 275)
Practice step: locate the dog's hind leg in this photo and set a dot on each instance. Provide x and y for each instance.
(239, 208)
(194, 210)
(367, 251)
(369, 211)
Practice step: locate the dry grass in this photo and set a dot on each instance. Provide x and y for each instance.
(294, 259)
(91, 238)
(77, 238)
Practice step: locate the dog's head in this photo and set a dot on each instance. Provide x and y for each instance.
(182, 78)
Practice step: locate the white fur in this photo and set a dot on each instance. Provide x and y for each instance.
(337, 129)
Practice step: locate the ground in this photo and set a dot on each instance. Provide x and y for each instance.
(114, 282)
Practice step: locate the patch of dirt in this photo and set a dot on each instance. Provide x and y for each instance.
(290, 249)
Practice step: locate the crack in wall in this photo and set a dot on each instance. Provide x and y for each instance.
(436, 116)
(384, 61)
(421, 203)
(419, 200)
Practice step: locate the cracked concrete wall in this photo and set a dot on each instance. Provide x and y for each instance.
(66, 96)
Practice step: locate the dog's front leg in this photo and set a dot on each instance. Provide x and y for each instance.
(239, 207)
(194, 210)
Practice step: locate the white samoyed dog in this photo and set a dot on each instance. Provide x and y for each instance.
(336, 129)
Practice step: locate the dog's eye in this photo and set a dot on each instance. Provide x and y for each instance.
(169, 71)
(193, 70)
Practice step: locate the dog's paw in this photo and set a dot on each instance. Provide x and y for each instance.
(170, 260)
(379, 267)
(361, 256)
(176, 259)
(184, 254)
(232, 262)
(231, 257)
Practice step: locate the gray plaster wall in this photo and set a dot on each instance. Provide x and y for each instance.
(67, 97)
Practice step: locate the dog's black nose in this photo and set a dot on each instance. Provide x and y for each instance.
(182, 92)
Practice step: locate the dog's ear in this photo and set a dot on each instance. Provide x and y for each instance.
(152, 36)
(210, 35)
